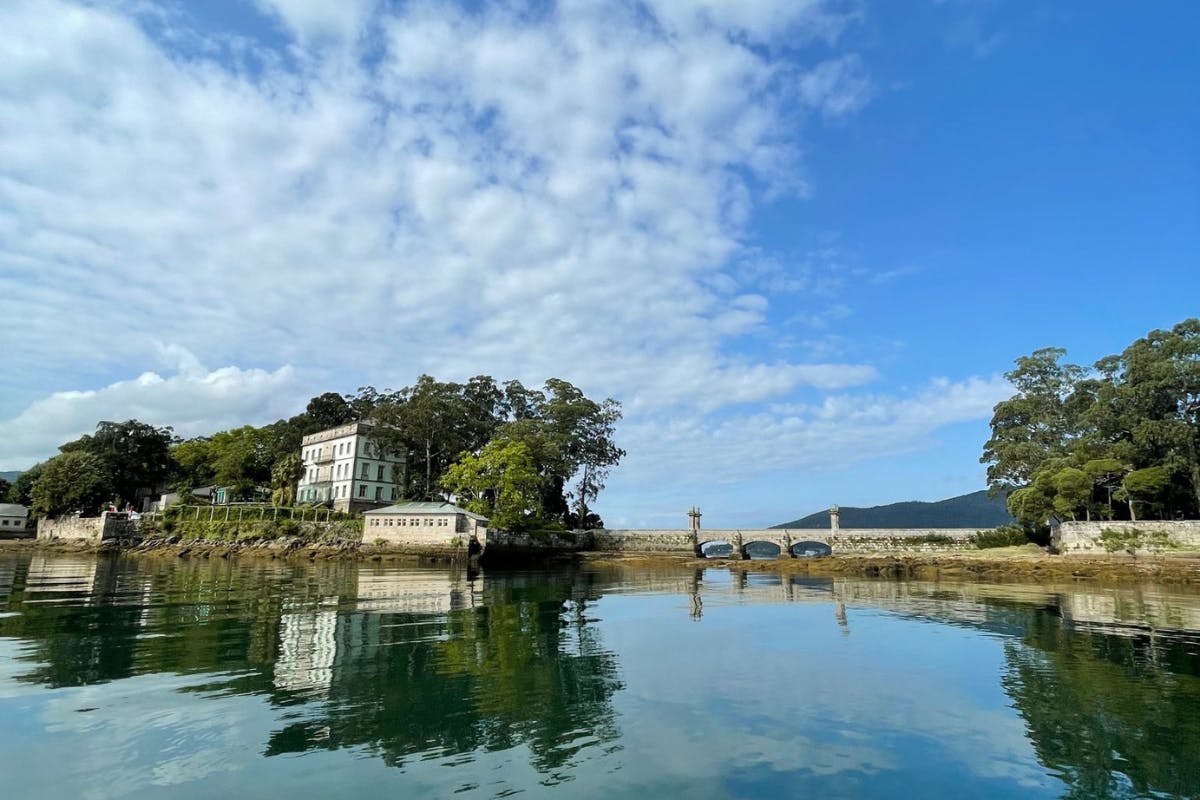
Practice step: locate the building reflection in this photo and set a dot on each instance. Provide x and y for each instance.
(410, 663)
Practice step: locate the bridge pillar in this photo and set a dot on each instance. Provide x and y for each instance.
(785, 547)
(739, 547)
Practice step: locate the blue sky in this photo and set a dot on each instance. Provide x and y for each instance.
(801, 242)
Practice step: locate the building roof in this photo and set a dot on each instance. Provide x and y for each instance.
(13, 510)
(418, 507)
(361, 426)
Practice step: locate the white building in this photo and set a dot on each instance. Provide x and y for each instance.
(13, 518)
(344, 468)
(423, 524)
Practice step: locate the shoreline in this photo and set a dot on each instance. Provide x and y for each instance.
(1012, 565)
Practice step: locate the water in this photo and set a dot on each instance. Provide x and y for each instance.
(124, 678)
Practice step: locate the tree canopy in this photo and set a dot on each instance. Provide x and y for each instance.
(522, 456)
(1073, 440)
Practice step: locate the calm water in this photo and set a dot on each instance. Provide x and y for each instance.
(124, 678)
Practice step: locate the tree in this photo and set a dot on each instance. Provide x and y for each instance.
(501, 483)
(73, 481)
(135, 455)
(1072, 491)
(431, 422)
(193, 464)
(1106, 475)
(585, 430)
(1157, 389)
(1144, 486)
(328, 410)
(5, 486)
(1036, 423)
(241, 459)
(21, 491)
(285, 474)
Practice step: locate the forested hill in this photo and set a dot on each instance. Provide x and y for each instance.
(9, 476)
(975, 510)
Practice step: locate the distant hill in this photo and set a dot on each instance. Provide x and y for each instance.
(974, 510)
(10, 476)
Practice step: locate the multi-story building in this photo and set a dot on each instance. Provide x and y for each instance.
(343, 467)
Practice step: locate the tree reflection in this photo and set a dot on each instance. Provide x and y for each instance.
(1114, 716)
(481, 663)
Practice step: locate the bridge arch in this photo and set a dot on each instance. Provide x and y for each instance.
(762, 548)
(723, 546)
(811, 549)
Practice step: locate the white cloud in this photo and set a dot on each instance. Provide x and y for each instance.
(193, 400)
(414, 188)
(841, 429)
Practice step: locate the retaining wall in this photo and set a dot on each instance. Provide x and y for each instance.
(108, 525)
(1086, 538)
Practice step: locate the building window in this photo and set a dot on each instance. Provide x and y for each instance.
(379, 473)
(366, 471)
(378, 492)
(362, 491)
(393, 492)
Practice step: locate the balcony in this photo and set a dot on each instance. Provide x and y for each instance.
(324, 456)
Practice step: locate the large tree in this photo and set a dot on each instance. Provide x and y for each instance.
(134, 455)
(73, 481)
(1129, 430)
(1036, 423)
(432, 422)
(20, 492)
(501, 483)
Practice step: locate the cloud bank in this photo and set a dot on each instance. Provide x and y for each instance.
(357, 192)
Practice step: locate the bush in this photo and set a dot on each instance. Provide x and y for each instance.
(1004, 536)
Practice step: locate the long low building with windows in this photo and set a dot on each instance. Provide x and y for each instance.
(425, 524)
(344, 468)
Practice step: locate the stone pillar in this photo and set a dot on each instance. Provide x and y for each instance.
(785, 546)
(739, 548)
(694, 528)
(835, 518)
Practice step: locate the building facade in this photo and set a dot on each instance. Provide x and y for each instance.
(425, 524)
(13, 518)
(344, 468)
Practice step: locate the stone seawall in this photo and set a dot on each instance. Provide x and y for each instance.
(1088, 538)
(89, 529)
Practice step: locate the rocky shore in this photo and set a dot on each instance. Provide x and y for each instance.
(1017, 564)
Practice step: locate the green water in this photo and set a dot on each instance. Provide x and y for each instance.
(124, 678)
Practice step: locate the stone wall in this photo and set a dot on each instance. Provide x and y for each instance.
(108, 525)
(1086, 538)
(430, 541)
(901, 540)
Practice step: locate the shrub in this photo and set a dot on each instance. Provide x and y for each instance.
(930, 538)
(1004, 536)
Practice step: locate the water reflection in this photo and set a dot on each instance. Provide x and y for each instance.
(408, 665)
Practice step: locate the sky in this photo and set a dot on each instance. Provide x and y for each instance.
(801, 241)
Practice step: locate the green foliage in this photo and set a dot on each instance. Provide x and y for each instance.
(1074, 441)
(1034, 424)
(21, 490)
(931, 538)
(284, 476)
(501, 483)
(73, 481)
(134, 455)
(568, 437)
(1146, 486)
(1004, 536)
(1072, 491)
